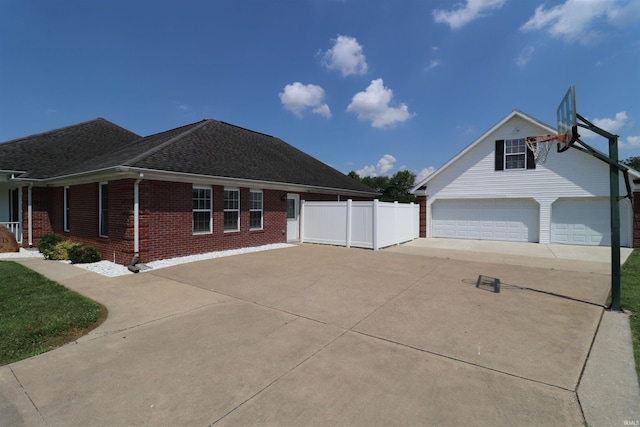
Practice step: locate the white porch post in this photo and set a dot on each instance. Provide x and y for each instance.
(30, 215)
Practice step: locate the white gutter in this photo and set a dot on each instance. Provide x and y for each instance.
(136, 216)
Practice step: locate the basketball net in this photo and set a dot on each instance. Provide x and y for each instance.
(541, 144)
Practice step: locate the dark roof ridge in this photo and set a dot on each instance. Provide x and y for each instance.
(166, 143)
(243, 128)
(52, 131)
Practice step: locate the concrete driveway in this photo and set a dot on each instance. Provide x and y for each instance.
(317, 335)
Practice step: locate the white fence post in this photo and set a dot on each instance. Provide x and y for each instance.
(348, 239)
(375, 225)
(395, 222)
(301, 221)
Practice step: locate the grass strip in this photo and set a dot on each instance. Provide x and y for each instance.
(38, 314)
(630, 299)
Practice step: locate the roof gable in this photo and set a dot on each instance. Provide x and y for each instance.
(494, 128)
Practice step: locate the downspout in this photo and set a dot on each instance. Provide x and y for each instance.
(30, 215)
(136, 225)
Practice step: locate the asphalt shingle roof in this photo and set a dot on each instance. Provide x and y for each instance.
(46, 154)
(207, 148)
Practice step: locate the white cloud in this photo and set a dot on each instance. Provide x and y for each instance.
(183, 107)
(297, 98)
(373, 105)
(433, 64)
(611, 125)
(346, 56)
(385, 164)
(464, 13)
(525, 56)
(424, 173)
(631, 142)
(575, 20)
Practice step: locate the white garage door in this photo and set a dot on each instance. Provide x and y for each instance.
(586, 222)
(512, 220)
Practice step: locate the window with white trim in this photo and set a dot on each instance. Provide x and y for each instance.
(201, 206)
(103, 209)
(255, 209)
(515, 153)
(231, 209)
(67, 209)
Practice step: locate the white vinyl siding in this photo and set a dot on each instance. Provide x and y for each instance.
(473, 176)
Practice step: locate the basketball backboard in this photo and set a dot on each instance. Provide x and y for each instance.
(567, 121)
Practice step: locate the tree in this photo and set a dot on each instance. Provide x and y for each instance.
(632, 162)
(400, 185)
(394, 188)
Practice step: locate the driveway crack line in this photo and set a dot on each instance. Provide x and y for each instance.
(311, 356)
(466, 362)
(28, 396)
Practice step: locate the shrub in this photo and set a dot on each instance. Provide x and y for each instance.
(83, 254)
(47, 242)
(61, 250)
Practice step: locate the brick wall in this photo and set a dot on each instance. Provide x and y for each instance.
(168, 217)
(165, 219)
(422, 201)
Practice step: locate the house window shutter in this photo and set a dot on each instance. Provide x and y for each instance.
(531, 161)
(500, 155)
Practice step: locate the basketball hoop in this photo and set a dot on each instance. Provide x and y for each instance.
(541, 144)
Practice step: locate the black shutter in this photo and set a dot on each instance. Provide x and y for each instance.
(500, 155)
(531, 161)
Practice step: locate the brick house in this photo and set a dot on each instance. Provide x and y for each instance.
(203, 187)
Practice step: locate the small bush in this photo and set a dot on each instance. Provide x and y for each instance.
(61, 250)
(47, 243)
(83, 254)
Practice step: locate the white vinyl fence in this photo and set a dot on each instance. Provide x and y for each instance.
(371, 224)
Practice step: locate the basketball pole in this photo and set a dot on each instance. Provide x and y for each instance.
(614, 196)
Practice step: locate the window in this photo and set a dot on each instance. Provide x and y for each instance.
(513, 154)
(231, 210)
(255, 209)
(65, 220)
(104, 209)
(291, 208)
(201, 210)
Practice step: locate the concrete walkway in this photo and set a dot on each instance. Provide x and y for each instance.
(318, 335)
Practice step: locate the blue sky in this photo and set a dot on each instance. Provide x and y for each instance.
(374, 86)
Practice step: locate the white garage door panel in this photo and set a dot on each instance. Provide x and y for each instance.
(513, 220)
(586, 222)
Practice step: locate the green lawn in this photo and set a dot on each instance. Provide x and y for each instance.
(38, 314)
(630, 299)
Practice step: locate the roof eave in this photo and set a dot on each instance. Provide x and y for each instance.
(134, 172)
